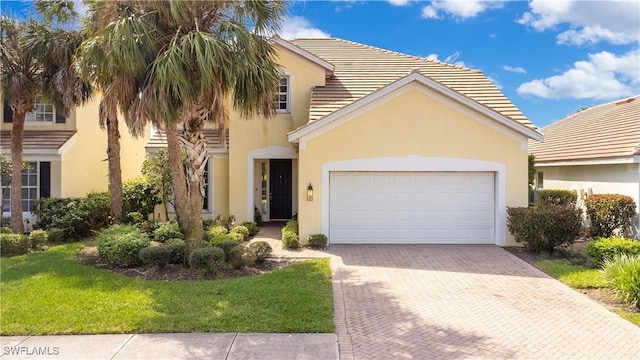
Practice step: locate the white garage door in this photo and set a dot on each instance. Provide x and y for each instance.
(412, 208)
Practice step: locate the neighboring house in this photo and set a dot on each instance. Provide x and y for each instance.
(596, 150)
(373, 146)
(67, 155)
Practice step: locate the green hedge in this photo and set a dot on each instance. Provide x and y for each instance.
(544, 227)
(317, 241)
(120, 245)
(602, 249)
(77, 217)
(13, 244)
(610, 212)
(557, 197)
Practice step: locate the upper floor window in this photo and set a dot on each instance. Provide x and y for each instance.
(42, 113)
(283, 96)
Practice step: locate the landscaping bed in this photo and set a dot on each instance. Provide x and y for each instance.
(88, 255)
(573, 267)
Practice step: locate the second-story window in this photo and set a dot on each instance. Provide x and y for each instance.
(42, 113)
(283, 96)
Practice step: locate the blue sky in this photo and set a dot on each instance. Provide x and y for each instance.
(549, 57)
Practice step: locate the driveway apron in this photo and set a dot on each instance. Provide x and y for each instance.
(465, 302)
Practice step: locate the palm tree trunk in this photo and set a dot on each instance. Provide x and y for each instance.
(180, 192)
(196, 148)
(17, 133)
(115, 172)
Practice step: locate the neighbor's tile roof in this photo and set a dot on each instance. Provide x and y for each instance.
(38, 139)
(214, 140)
(362, 69)
(605, 131)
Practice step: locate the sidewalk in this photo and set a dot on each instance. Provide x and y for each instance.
(214, 346)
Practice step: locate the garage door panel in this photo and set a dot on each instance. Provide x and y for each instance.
(412, 207)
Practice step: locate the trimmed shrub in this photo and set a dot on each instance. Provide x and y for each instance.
(240, 230)
(177, 248)
(290, 240)
(251, 226)
(158, 256)
(236, 236)
(56, 235)
(227, 221)
(317, 241)
(38, 239)
(602, 249)
(217, 230)
(227, 246)
(134, 218)
(544, 227)
(77, 217)
(557, 197)
(623, 275)
(240, 257)
(609, 213)
(5, 230)
(208, 259)
(166, 231)
(13, 244)
(207, 223)
(260, 250)
(141, 196)
(120, 245)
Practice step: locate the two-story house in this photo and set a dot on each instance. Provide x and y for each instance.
(371, 146)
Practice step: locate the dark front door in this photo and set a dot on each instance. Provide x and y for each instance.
(280, 189)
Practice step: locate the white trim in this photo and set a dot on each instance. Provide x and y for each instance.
(269, 152)
(288, 110)
(632, 159)
(311, 129)
(307, 55)
(419, 163)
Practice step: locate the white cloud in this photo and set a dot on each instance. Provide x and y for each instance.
(459, 9)
(399, 2)
(494, 81)
(589, 22)
(604, 76)
(514, 69)
(297, 27)
(451, 59)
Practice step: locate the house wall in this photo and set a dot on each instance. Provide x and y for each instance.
(246, 135)
(602, 179)
(221, 185)
(412, 123)
(84, 166)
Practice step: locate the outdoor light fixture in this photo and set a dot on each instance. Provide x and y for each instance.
(309, 192)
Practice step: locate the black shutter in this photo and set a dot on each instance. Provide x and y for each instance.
(45, 179)
(60, 119)
(8, 113)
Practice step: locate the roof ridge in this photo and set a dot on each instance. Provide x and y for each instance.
(582, 112)
(403, 54)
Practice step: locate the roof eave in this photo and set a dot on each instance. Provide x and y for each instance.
(630, 159)
(328, 67)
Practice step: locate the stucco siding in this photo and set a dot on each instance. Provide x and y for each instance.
(246, 135)
(411, 123)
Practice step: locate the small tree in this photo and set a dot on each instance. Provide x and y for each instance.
(157, 170)
(609, 213)
(140, 195)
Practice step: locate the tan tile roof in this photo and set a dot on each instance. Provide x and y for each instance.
(605, 131)
(362, 69)
(214, 140)
(38, 139)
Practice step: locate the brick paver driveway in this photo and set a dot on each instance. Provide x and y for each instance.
(465, 301)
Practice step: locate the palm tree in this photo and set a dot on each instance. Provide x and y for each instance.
(203, 52)
(116, 76)
(36, 59)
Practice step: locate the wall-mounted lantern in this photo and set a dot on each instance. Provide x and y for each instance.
(309, 192)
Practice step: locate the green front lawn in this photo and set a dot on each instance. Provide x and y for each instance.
(581, 277)
(51, 293)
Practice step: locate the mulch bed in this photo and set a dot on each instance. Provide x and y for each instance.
(89, 256)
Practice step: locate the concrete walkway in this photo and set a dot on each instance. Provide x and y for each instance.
(229, 346)
(465, 302)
